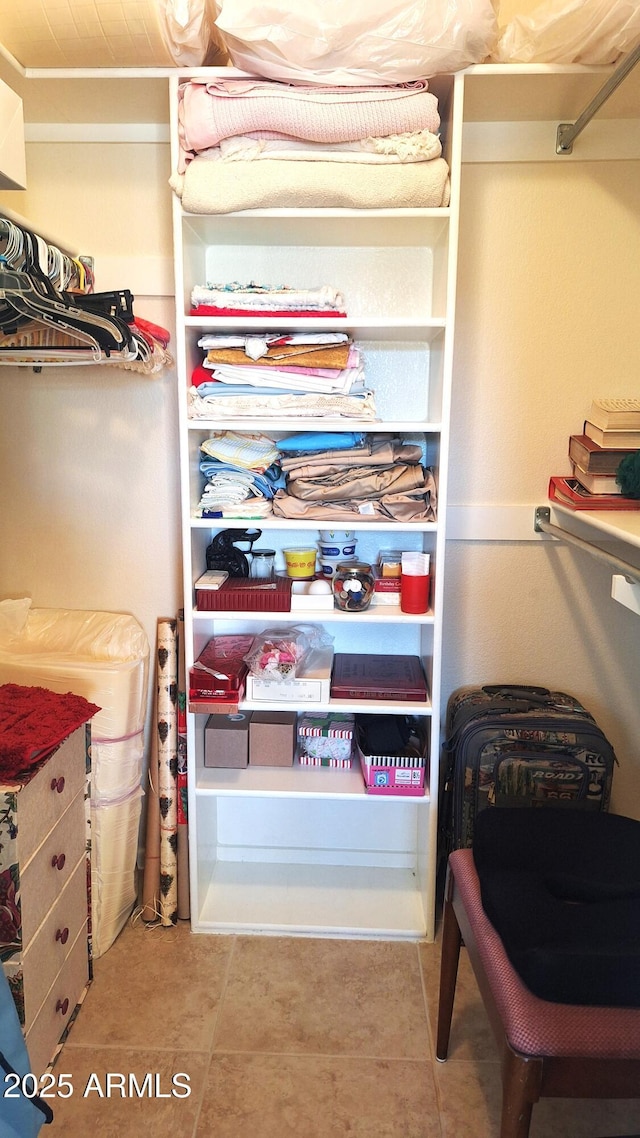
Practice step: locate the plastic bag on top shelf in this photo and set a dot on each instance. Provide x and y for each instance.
(188, 30)
(362, 42)
(595, 32)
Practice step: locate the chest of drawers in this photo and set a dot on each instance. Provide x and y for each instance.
(44, 900)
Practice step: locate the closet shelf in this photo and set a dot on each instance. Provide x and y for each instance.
(622, 526)
(625, 583)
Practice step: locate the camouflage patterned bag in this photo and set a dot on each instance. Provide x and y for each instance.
(519, 746)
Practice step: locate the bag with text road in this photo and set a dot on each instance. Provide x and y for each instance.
(519, 746)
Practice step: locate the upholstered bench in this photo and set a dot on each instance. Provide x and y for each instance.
(546, 1049)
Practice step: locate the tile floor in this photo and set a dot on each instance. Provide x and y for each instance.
(284, 1037)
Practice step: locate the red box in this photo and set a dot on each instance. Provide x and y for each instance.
(240, 593)
(220, 670)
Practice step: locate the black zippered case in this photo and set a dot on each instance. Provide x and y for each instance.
(509, 745)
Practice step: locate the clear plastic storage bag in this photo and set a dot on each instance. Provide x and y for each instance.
(188, 30)
(280, 652)
(363, 41)
(595, 32)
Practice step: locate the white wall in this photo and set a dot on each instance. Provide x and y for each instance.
(88, 465)
(547, 318)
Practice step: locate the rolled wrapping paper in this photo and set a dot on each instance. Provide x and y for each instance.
(151, 876)
(184, 905)
(167, 732)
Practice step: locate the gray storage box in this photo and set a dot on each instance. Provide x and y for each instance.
(226, 740)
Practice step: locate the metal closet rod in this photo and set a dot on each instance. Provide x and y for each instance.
(568, 132)
(543, 524)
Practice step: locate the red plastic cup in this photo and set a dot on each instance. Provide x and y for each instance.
(414, 592)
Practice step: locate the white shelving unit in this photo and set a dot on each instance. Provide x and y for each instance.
(297, 850)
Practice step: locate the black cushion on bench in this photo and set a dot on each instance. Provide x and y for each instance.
(562, 889)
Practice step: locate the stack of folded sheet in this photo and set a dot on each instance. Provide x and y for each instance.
(304, 374)
(373, 476)
(242, 473)
(255, 299)
(253, 143)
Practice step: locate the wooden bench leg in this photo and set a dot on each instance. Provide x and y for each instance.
(520, 1090)
(451, 941)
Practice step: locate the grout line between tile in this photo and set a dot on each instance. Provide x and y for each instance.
(337, 1055)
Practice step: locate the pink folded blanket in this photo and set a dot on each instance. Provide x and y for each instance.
(210, 111)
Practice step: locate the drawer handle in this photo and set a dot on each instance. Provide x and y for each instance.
(58, 784)
(57, 861)
(62, 935)
(62, 1006)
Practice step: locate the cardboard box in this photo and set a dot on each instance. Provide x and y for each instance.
(326, 736)
(381, 778)
(395, 774)
(226, 740)
(272, 738)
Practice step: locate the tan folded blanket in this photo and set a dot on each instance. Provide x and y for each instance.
(383, 453)
(226, 187)
(320, 355)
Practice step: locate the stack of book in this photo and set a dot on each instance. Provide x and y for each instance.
(611, 431)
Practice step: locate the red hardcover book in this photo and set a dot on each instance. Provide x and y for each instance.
(589, 456)
(569, 492)
(364, 676)
(220, 667)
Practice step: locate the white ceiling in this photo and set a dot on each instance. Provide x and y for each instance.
(83, 33)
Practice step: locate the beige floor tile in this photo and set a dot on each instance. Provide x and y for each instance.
(470, 1096)
(118, 1114)
(155, 986)
(470, 1103)
(324, 997)
(269, 1096)
(471, 1034)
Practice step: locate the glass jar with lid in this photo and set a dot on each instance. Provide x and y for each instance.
(353, 586)
(262, 564)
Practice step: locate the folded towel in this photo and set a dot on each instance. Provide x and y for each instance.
(221, 187)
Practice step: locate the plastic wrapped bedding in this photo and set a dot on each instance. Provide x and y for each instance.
(105, 658)
(594, 32)
(363, 41)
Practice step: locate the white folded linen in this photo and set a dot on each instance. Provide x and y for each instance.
(410, 146)
(258, 406)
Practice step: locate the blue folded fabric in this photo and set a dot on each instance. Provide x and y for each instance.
(266, 483)
(220, 390)
(313, 441)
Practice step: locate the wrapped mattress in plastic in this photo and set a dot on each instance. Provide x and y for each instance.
(104, 657)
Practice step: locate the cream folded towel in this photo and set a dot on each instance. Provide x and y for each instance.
(221, 187)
